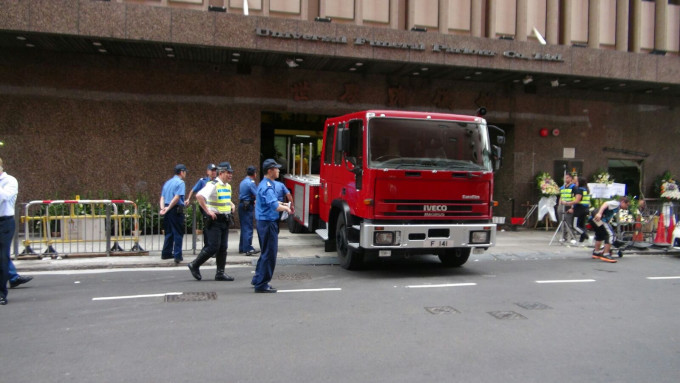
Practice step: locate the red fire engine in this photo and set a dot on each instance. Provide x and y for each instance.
(397, 183)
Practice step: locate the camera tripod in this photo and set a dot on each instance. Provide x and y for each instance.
(564, 229)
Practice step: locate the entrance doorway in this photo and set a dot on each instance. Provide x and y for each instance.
(626, 172)
(289, 137)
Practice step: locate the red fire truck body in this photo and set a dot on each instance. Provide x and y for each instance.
(396, 183)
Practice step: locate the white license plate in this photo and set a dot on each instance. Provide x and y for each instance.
(384, 253)
(436, 243)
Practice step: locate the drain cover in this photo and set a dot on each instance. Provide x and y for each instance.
(293, 276)
(191, 297)
(506, 315)
(442, 310)
(533, 306)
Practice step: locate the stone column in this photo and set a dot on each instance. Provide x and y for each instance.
(397, 16)
(491, 19)
(358, 12)
(566, 22)
(622, 25)
(521, 21)
(552, 22)
(634, 26)
(661, 25)
(476, 18)
(594, 24)
(443, 17)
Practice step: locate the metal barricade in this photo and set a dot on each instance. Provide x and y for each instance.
(73, 227)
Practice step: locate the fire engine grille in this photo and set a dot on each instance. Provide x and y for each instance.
(432, 208)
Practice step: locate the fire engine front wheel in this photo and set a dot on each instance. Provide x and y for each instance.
(349, 257)
(455, 257)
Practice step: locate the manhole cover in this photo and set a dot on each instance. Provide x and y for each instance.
(442, 310)
(506, 315)
(191, 297)
(533, 306)
(293, 276)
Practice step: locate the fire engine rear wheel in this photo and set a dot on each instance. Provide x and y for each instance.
(349, 257)
(455, 257)
(294, 226)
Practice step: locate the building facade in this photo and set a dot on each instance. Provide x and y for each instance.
(102, 98)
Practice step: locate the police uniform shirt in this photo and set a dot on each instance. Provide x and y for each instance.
(247, 189)
(9, 188)
(174, 186)
(209, 192)
(281, 191)
(200, 184)
(266, 202)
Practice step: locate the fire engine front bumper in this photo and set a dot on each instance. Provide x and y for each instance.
(390, 236)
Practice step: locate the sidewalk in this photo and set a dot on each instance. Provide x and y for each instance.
(307, 249)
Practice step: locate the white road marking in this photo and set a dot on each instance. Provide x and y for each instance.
(134, 296)
(310, 290)
(443, 285)
(657, 278)
(568, 281)
(180, 268)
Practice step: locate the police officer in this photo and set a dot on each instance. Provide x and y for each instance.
(215, 199)
(581, 207)
(211, 174)
(267, 207)
(172, 208)
(566, 202)
(246, 211)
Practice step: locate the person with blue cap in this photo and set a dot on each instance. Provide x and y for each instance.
(215, 199)
(246, 211)
(172, 209)
(267, 208)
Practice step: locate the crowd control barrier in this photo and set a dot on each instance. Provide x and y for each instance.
(71, 227)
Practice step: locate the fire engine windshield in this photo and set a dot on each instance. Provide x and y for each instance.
(428, 144)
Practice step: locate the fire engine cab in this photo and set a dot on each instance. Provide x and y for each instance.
(398, 183)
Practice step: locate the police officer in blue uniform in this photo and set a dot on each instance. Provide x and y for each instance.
(246, 211)
(215, 199)
(172, 208)
(267, 207)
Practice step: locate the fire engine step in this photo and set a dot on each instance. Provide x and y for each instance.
(323, 233)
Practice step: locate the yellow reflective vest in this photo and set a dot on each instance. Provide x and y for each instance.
(566, 194)
(222, 203)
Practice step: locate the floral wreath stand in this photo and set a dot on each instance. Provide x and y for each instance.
(546, 211)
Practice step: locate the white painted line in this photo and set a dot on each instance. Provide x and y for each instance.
(134, 296)
(309, 290)
(568, 281)
(444, 285)
(656, 278)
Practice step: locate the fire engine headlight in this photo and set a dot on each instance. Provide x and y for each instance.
(480, 237)
(385, 238)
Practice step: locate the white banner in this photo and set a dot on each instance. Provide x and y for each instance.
(606, 190)
(546, 205)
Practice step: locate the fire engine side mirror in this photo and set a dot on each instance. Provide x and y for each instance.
(496, 156)
(500, 139)
(342, 145)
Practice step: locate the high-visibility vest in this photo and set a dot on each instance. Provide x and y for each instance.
(566, 194)
(223, 198)
(585, 200)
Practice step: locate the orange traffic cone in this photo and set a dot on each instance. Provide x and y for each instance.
(671, 227)
(660, 231)
(638, 236)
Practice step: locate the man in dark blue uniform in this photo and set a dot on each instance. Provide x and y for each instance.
(246, 211)
(267, 207)
(172, 208)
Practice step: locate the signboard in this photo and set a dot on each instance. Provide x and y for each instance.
(606, 190)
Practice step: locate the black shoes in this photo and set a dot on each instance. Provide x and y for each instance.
(3, 301)
(252, 252)
(167, 257)
(194, 271)
(19, 281)
(223, 277)
(268, 289)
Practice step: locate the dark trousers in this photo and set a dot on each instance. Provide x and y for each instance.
(7, 227)
(245, 216)
(217, 237)
(268, 232)
(173, 223)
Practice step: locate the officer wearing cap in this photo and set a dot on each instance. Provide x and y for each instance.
(215, 199)
(267, 207)
(172, 208)
(246, 211)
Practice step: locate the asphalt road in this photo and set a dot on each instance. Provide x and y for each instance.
(556, 320)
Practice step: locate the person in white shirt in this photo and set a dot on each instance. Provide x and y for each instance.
(9, 188)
